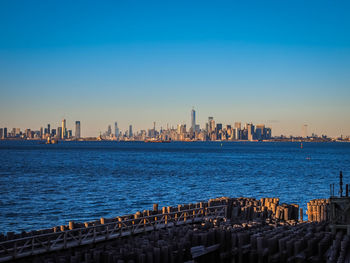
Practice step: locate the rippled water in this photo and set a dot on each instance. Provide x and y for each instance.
(46, 185)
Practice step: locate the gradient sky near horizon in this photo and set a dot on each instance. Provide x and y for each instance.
(282, 63)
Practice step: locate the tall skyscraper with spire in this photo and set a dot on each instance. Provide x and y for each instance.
(193, 120)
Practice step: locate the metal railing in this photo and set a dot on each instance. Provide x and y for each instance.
(39, 244)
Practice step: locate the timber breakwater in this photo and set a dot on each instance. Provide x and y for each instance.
(218, 230)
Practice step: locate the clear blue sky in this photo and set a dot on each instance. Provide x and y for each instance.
(283, 63)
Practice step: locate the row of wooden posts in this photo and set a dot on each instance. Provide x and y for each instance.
(318, 210)
(243, 208)
(126, 218)
(219, 241)
(234, 210)
(101, 232)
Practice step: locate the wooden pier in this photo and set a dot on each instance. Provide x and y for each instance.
(45, 243)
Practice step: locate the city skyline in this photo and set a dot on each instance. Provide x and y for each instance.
(282, 64)
(304, 129)
(211, 132)
(191, 131)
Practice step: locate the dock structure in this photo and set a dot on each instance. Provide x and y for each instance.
(77, 235)
(340, 209)
(218, 230)
(74, 235)
(335, 209)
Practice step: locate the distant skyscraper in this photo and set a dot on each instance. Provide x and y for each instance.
(27, 133)
(5, 133)
(64, 129)
(197, 129)
(183, 128)
(109, 130)
(59, 132)
(179, 128)
(211, 123)
(152, 132)
(77, 130)
(116, 130)
(268, 134)
(48, 129)
(250, 128)
(260, 132)
(238, 132)
(41, 132)
(193, 120)
(1, 133)
(130, 131)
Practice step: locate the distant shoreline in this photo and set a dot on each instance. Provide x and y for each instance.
(189, 141)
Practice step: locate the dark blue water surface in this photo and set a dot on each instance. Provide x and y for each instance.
(47, 185)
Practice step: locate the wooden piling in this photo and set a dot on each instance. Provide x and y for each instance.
(247, 237)
(155, 208)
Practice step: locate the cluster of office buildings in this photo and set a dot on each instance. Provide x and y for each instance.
(61, 133)
(211, 132)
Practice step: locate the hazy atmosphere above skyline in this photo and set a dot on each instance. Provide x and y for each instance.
(282, 63)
